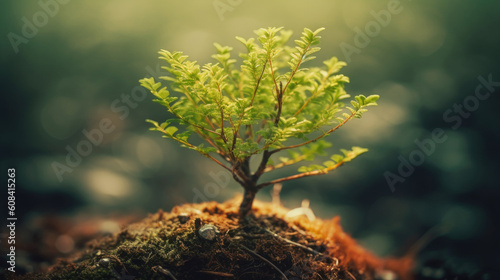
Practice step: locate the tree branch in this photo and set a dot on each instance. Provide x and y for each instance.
(193, 124)
(317, 138)
(283, 164)
(280, 104)
(251, 103)
(207, 119)
(266, 260)
(222, 135)
(296, 67)
(194, 148)
(262, 166)
(301, 175)
(242, 169)
(315, 93)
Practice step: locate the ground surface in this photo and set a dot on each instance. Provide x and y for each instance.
(209, 241)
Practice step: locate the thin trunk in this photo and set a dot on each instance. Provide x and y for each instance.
(249, 184)
(246, 203)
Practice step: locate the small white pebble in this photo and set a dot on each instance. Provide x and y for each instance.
(208, 232)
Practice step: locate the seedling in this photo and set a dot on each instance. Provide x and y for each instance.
(266, 105)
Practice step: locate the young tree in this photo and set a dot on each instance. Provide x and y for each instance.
(270, 104)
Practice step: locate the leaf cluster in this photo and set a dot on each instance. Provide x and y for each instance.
(264, 103)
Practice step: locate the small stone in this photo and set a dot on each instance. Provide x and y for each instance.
(104, 262)
(183, 217)
(208, 232)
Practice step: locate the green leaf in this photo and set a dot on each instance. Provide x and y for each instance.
(372, 99)
(329, 163)
(163, 93)
(355, 105)
(155, 123)
(284, 159)
(171, 130)
(337, 158)
(353, 153)
(303, 169)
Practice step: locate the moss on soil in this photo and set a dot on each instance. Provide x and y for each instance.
(265, 245)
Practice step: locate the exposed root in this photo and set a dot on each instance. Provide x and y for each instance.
(352, 276)
(266, 260)
(163, 271)
(222, 274)
(294, 243)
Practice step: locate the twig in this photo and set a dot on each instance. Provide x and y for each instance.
(296, 228)
(286, 163)
(317, 138)
(251, 104)
(300, 245)
(352, 276)
(301, 175)
(294, 243)
(264, 259)
(163, 271)
(223, 274)
(149, 256)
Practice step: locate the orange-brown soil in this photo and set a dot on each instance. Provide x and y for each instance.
(264, 245)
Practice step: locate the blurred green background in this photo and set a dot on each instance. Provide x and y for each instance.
(67, 65)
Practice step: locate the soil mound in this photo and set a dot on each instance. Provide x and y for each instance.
(209, 241)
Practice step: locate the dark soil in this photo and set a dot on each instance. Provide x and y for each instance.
(264, 245)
